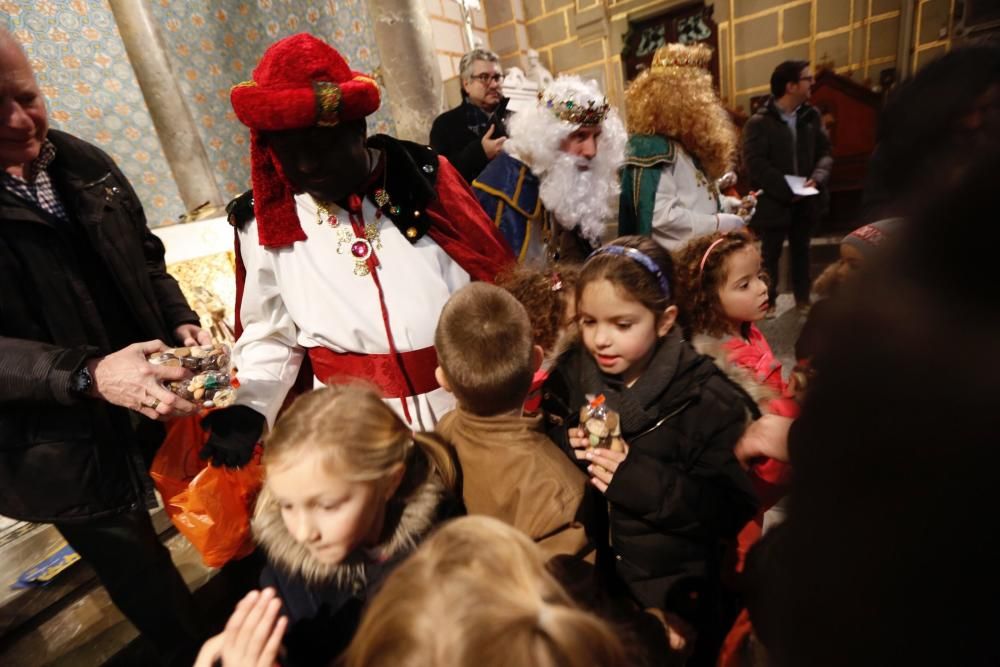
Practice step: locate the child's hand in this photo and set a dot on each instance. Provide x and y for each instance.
(252, 636)
(210, 652)
(680, 634)
(579, 441)
(603, 465)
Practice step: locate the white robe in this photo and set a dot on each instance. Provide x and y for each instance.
(307, 295)
(686, 203)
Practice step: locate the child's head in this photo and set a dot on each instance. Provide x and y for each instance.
(624, 304)
(723, 285)
(333, 462)
(548, 296)
(855, 248)
(477, 593)
(485, 351)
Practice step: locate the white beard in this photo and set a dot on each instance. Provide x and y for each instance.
(580, 197)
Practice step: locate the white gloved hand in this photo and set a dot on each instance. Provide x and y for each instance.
(729, 221)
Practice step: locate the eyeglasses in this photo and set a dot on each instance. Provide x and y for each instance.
(486, 79)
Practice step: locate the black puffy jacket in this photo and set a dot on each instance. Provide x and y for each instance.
(64, 458)
(680, 493)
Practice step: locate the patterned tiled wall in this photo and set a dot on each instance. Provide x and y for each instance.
(81, 66)
(213, 44)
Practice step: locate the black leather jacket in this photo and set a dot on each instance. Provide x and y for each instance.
(62, 457)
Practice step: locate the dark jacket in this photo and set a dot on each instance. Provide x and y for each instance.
(324, 602)
(680, 493)
(452, 138)
(64, 458)
(768, 156)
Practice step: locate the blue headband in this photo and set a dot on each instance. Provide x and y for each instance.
(640, 258)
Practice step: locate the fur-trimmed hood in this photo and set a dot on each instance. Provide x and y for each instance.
(409, 517)
(716, 348)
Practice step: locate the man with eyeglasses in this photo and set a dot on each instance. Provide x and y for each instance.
(786, 137)
(471, 134)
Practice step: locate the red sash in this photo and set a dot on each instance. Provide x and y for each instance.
(397, 375)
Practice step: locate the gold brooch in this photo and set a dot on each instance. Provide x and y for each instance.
(361, 247)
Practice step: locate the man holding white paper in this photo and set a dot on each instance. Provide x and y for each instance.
(787, 153)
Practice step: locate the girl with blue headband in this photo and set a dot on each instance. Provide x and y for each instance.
(676, 494)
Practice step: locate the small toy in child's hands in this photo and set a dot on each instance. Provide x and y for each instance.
(213, 384)
(601, 425)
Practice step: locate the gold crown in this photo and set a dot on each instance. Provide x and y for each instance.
(682, 55)
(591, 112)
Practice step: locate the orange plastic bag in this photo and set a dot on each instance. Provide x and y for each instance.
(210, 506)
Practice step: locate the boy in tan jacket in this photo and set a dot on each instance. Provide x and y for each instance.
(510, 469)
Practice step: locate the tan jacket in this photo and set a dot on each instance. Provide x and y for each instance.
(512, 472)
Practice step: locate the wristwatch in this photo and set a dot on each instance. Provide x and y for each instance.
(81, 381)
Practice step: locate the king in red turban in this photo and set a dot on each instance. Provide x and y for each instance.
(347, 246)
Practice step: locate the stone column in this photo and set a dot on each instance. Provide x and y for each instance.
(178, 134)
(904, 51)
(409, 66)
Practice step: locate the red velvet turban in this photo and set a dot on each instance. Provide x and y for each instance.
(300, 82)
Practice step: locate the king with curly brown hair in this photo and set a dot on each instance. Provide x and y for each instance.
(681, 142)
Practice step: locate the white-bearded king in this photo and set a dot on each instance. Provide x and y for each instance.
(553, 189)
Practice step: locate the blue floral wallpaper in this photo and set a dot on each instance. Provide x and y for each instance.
(85, 73)
(213, 44)
(81, 66)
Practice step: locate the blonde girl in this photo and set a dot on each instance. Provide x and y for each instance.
(349, 492)
(477, 594)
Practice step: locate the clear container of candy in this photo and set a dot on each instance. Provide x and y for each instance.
(601, 424)
(212, 384)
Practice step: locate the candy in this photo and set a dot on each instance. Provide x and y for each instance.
(212, 383)
(601, 424)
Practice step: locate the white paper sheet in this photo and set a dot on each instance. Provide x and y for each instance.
(797, 184)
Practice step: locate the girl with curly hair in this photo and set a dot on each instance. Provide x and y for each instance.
(548, 296)
(723, 292)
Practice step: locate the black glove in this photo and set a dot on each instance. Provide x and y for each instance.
(234, 432)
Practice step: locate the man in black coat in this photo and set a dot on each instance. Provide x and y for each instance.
(786, 137)
(471, 134)
(83, 285)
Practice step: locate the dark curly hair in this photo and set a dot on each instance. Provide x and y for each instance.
(628, 275)
(698, 291)
(544, 293)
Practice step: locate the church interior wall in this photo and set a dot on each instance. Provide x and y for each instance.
(88, 79)
(856, 38)
(82, 68)
(85, 72)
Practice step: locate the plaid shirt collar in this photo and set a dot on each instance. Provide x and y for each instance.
(38, 189)
(45, 157)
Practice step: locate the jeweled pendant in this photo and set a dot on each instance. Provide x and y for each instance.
(381, 197)
(361, 249)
